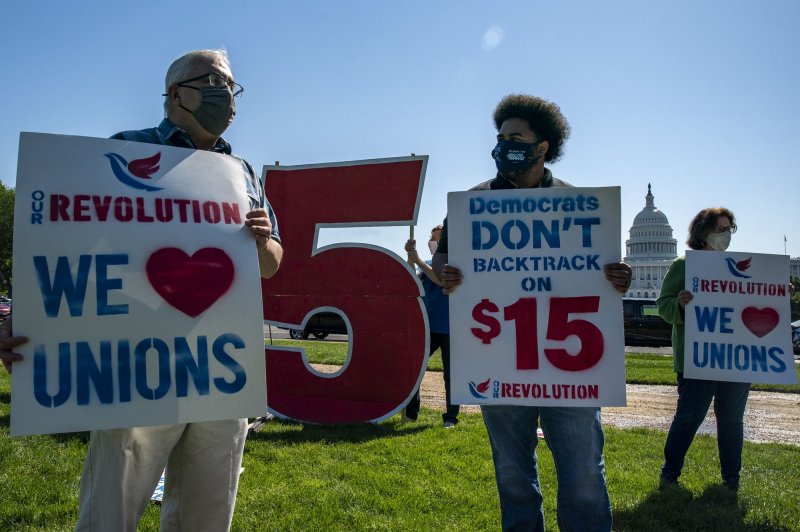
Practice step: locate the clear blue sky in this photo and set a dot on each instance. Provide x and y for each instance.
(698, 98)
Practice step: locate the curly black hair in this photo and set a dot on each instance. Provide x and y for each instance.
(543, 117)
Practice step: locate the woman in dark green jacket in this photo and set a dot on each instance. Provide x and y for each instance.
(711, 230)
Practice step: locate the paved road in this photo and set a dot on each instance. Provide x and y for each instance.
(283, 334)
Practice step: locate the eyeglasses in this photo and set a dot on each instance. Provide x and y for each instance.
(217, 81)
(730, 228)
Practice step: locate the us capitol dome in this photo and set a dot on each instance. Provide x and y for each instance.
(650, 250)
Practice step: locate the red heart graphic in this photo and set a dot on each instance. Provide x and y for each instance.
(760, 321)
(190, 284)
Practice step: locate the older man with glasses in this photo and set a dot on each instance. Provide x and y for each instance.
(202, 460)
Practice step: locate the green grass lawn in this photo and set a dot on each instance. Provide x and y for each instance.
(335, 352)
(657, 369)
(639, 368)
(419, 476)
(415, 477)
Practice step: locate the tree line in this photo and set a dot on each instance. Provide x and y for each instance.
(6, 237)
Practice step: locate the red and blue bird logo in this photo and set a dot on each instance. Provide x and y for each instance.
(738, 269)
(477, 390)
(134, 173)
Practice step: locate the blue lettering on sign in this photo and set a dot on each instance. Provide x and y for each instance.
(709, 317)
(725, 320)
(518, 234)
(586, 234)
(73, 288)
(515, 239)
(124, 359)
(552, 236)
(37, 206)
(542, 263)
(185, 365)
(104, 284)
(541, 284)
(478, 233)
(87, 370)
(529, 205)
(739, 357)
(239, 375)
(94, 369)
(140, 354)
(63, 285)
(40, 377)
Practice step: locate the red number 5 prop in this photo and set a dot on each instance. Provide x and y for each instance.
(375, 291)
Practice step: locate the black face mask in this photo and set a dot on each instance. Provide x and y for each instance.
(215, 110)
(514, 158)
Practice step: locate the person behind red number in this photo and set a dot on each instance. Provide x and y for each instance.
(436, 306)
(711, 230)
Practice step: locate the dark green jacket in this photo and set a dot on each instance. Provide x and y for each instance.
(671, 310)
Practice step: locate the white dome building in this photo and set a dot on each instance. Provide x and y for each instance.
(650, 250)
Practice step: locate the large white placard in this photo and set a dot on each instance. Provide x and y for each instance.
(137, 284)
(738, 323)
(535, 322)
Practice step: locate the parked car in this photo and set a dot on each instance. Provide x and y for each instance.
(796, 337)
(319, 326)
(5, 310)
(643, 325)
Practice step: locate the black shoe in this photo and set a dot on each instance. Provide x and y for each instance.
(667, 482)
(407, 419)
(732, 485)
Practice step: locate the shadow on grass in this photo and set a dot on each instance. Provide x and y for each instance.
(296, 432)
(5, 422)
(676, 508)
(64, 437)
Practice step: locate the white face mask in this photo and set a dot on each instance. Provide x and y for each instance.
(719, 241)
(432, 245)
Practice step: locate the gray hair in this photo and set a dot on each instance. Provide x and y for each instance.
(180, 68)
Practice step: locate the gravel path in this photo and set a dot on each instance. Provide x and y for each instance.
(769, 416)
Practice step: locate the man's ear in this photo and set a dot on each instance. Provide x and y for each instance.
(172, 93)
(542, 148)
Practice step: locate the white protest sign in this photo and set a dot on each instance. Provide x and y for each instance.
(737, 326)
(137, 284)
(535, 322)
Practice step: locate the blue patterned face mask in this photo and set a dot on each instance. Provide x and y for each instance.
(513, 158)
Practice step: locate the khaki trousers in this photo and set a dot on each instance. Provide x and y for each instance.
(123, 467)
